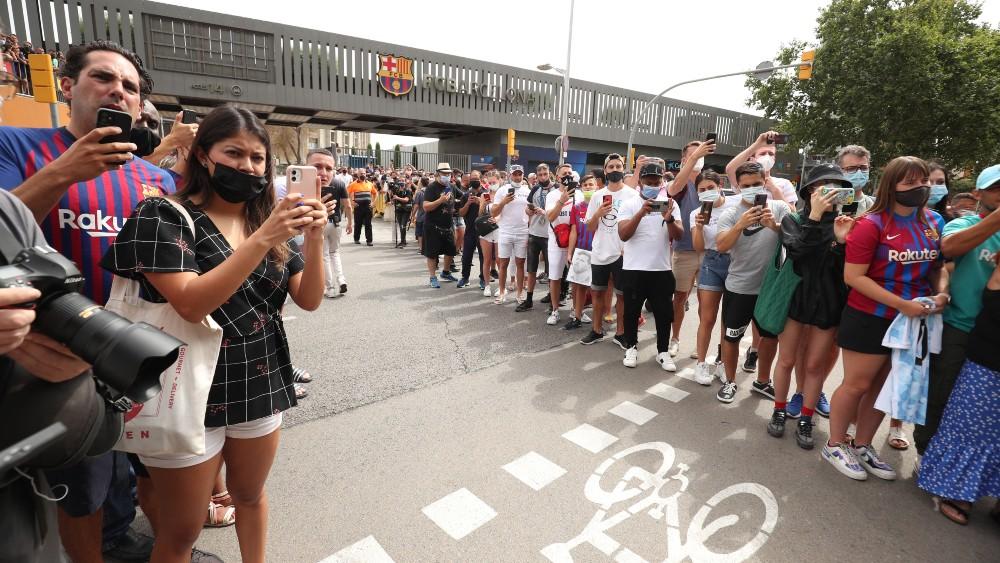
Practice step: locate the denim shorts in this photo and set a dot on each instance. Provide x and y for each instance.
(713, 272)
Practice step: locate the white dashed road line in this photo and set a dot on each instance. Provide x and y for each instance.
(534, 470)
(590, 438)
(367, 550)
(460, 513)
(664, 391)
(633, 413)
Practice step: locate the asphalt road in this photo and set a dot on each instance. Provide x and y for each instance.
(441, 427)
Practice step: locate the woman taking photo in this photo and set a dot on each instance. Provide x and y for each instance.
(814, 242)
(238, 267)
(893, 256)
(714, 267)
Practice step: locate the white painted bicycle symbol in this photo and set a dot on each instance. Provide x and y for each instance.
(638, 481)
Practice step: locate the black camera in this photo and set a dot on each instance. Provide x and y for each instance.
(127, 357)
(569, 182)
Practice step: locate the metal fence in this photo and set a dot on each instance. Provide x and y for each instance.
(359, 158)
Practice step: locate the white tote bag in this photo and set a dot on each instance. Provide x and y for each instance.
(172, 422)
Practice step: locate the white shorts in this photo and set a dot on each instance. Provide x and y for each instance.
(579, 270)
(492, 237)
(512, 245)
(215, 438)
(557, 259)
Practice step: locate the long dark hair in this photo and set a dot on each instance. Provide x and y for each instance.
(220, 124)
(941, 206)
(898, 170)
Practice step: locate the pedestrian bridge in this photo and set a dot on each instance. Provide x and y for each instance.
(292, 76)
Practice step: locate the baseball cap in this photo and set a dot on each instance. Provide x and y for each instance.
(516, 168)
(651, 169)
(988, 177)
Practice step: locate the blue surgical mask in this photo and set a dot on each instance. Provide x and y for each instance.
(445, 180)
(708, 195)
(938, 192)
(858, 178)
(650, 192)
(751, 192)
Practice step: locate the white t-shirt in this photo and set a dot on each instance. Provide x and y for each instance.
(787, 190)
(649, 248)
(512, 219)
(607, 245)
(551, 202)
(710, 230)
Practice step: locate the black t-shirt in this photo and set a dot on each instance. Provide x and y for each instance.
(441, 216)
(458, 195)
(472, 213)
(406, 192)
(339, 193)
(985, 336)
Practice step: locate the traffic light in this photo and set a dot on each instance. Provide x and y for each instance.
(510, 142)
(43, 81)
(806, 68)
(631, 158)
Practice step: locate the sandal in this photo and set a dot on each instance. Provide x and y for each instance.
(300, 391)
(220, 515)
(300, 375)
(957, 513)
(898, 439)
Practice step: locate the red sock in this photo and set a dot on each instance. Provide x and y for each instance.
(779, 406)
(806, 411)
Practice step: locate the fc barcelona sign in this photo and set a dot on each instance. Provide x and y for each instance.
(395, 74)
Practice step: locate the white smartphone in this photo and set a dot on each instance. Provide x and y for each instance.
(302, 179)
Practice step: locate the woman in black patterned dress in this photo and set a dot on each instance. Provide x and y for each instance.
(238, 267)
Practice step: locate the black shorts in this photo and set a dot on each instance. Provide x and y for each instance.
(537, 246)
(418, 231)
(600, 274)
(862, 332)
(439, 240)
(737, 312)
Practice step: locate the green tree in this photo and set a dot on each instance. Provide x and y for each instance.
(397, 157)
(900, 77)
(378, 153)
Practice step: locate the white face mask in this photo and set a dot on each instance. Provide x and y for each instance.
(751, 192)
(766, 162)
(708, 195)
(700, 165)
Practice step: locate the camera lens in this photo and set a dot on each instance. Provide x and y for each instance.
(127, 357)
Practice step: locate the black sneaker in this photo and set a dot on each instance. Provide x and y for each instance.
(199, 556)
(524, 306)
(132, 546)
(804, 434)
(750, 365)
(494, 274)
(572, 324)
(343, 288)
(454, 269)
(592, 338)
(357, 242)
(620, 341)
(765, 389)
(547, 299)
(776, 427)
(727, 393)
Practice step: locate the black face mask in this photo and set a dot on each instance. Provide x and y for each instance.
(145, 140)
(915, 197)
(474, 183)
(235, 186)
(614, 177)
(543, 183)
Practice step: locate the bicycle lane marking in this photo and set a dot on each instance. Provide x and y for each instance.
(459, 513)
(367, 550)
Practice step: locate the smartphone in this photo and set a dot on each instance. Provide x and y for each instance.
(189, 117)
(657, 205)
(607, 199)
(486, 197)
(114, 118)
(706, 209)
(760, 200)
(531, 206)
(845, 196)
(851, 209)
(711, 137)
(782, 138)
(510, 191)
(302, 179)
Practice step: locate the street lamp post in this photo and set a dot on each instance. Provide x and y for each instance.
(563, 140)
(763, 71)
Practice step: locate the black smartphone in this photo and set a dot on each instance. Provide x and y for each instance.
(760, 200)
(782, 138)
(110, 117)
(706, 209)
(851, 209)
(711, 137)
(510, 191)
(189, 117)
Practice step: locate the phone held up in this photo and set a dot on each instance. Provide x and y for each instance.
(779, 139)
(114, 118)
(711, 137)
(706, 209)
(302, 179)
(760, 200)
(607, 199)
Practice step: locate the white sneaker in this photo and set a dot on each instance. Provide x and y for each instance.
(488, 292)
(674, 346)
(553, 318)
(701, 374)
(631, 357)
(501, 298)
(521, 296)
(693, 356)
(330, 293)
(720, 372)
(666, 362)
(585, 318)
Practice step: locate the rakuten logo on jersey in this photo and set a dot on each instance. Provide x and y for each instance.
(986, 256)
(909, 256)
(94, 224)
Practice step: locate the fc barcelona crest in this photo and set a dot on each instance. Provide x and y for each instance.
(395, 74)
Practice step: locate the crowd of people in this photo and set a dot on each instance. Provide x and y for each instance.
(15, 59)
(833, 268)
